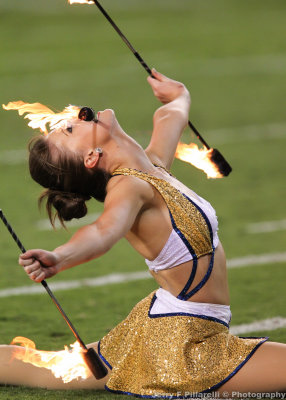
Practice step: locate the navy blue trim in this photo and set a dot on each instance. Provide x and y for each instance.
(240, 365)
(197, 394)
(103, 358)
(203, 214)
(182, 294)
(194, 257)
(203, 281)
(181, 235)
(142, 396)
(152, 303)
(252, 337)
(182, 314)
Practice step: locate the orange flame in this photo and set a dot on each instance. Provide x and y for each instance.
(81, 1)
(65, 364)
(200, 158)
(40, 115)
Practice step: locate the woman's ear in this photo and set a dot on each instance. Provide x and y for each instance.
(92, 158)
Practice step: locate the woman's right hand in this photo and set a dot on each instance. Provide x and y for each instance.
(166, 89)
(39, 264)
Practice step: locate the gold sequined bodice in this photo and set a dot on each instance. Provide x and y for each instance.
(185, 215)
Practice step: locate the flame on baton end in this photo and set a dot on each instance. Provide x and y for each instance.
(200, 158)
(40, 115)
(67, 364)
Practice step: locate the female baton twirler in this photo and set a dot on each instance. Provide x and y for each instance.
(176, 341)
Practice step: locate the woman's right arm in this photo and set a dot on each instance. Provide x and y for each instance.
(125, 198)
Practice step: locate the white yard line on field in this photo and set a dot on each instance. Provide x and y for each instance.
(13, 157)
(250, 260)
(266, 226)
(248, 133)
(256, 259)
(45, 225)
(244, 133)
(76, 284)
(269, 324)
(239, 65)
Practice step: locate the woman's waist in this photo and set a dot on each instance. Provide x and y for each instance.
(215, 290)
(167, 304)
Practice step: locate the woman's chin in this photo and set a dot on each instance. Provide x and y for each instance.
(107, 119)
(107, 114)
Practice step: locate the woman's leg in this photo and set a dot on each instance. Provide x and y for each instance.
(264, 372)
(16, 372)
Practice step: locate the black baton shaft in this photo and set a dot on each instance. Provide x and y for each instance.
(142, 62)
(91, 358)
(44, 283)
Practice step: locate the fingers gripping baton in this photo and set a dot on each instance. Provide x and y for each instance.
(91, 358)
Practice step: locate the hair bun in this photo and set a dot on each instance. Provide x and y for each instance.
(68, 205)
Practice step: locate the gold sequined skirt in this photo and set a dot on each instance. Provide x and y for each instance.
(171, 356)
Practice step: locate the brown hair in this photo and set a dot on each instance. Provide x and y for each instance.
(69, 184)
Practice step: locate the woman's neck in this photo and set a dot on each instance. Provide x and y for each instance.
(122, 151)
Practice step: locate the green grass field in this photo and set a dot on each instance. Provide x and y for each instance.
(232, 56)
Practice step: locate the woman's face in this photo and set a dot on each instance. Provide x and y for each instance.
(81, 136)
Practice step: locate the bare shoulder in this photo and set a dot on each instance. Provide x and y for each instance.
(122, 185)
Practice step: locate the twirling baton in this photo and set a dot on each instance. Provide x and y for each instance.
(215, 156)
(91, 358)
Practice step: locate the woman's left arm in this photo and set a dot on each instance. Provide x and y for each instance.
(169, 120)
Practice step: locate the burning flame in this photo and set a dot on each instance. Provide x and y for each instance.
(40, 115)
(65, 364)
(81, 1)
(200, 158)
